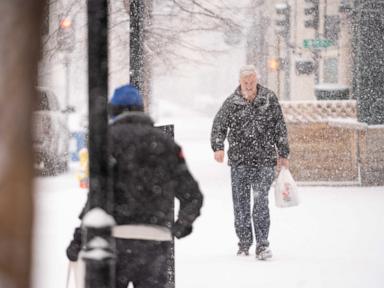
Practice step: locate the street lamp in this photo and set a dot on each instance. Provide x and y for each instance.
(66, 43)
(65, 35)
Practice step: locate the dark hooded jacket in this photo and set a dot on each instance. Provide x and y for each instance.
(256, 130)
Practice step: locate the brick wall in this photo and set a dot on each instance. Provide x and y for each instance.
(329, 145)
(320, 152)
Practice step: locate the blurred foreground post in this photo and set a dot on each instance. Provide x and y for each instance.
(98, 256)
(98, 99)
(19, 52)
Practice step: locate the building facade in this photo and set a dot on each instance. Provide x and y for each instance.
(302, 46)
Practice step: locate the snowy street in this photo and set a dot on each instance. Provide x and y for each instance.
(333, 239)
(296, 83)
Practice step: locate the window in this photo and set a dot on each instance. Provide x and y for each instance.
(330, 70)
(332, 28)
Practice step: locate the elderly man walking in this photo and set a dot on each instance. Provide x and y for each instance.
(252, 120)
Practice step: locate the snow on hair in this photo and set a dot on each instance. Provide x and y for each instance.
(248, 70)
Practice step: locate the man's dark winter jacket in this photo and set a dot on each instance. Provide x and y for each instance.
(257, 130)
(149, 172)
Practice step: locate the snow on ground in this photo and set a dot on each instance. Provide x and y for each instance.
(58, 202)
(333, 239)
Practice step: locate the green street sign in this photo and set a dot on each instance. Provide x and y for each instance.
(317, 43)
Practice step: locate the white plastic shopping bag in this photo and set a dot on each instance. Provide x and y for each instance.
(285, 190)
(77, 271)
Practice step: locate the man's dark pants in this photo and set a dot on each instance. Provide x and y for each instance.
(259, 180)
(142, 262)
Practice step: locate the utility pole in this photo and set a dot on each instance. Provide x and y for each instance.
(66, 44)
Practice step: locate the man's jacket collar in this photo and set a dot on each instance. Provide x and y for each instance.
(261, 98)
(132, 118)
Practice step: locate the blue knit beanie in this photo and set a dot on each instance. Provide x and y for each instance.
(126, 98)
(127, 95)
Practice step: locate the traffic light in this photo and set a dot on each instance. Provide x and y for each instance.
(65, 23)
(274, 64)
(282, 19)
(311, 13)
(65, 35)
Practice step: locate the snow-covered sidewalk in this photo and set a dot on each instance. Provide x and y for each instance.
(333, 239)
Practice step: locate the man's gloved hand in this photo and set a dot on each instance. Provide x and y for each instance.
(74, 247)
(73, 251)
(180, 230)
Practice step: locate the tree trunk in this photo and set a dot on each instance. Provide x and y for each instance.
(19, 52)
(140, 58)
(368, 59)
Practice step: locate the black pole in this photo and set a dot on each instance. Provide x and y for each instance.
(98, 99)
(136, 43)
(98, 255)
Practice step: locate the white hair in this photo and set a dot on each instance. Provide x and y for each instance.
(248, 70)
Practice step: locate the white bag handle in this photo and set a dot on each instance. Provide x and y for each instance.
(68, 274)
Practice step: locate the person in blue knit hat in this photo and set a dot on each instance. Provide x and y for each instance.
(149, 172)
(125, 98)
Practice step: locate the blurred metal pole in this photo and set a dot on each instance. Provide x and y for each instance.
(98, 99)
(98, 253)
(99, 270)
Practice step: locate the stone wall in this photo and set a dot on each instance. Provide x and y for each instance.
(320, 152)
